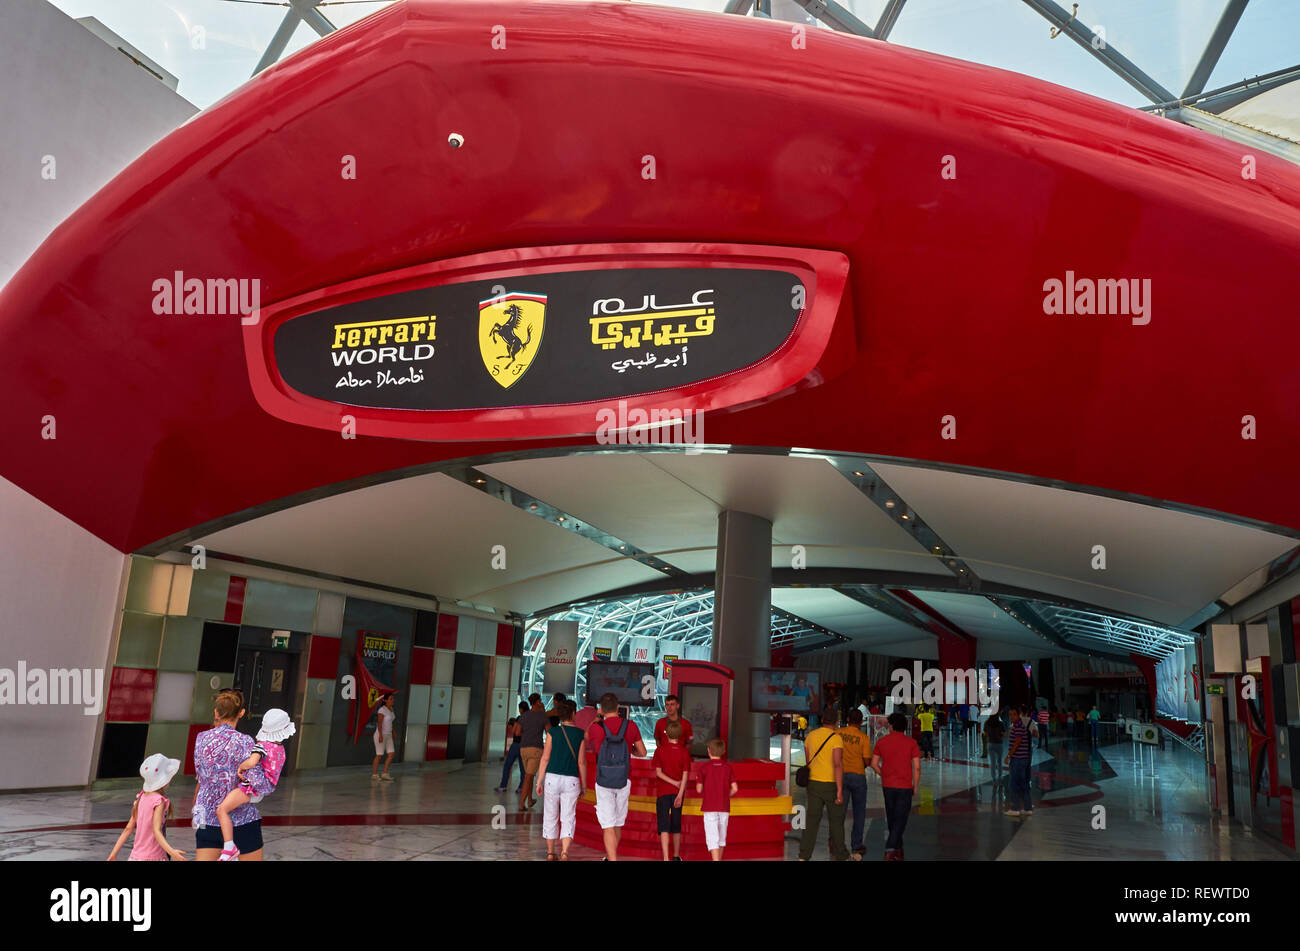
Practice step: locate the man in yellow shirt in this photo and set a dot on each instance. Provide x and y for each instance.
(857, 754)
(926, 716)
(823, 753)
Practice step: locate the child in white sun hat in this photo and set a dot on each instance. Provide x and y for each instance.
(258, 775)
(149, 814)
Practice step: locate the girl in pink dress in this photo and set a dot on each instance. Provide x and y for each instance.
(258, 775)
(149, 814)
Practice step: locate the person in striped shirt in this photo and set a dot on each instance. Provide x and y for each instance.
(1019, 751)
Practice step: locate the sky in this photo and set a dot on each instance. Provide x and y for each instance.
(1163, 37)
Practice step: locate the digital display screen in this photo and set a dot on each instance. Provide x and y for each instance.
(632, 683)
(784, 691)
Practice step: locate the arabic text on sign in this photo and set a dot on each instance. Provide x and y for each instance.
(610, 331)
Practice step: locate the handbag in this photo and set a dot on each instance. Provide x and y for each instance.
(803, 772)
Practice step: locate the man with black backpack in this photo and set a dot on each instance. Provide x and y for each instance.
(614, 741)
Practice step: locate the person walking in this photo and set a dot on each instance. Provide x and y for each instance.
(149, 815)
(1094, 722)
(512, 752)
(926, 718)
(384, 740)
(994, 734)
(857, 754)
(896, 759)
(716, 785)
(1043, 717)
(823, 751)
(1018, 756)
(561, 777)
(532, 730)
(614, 740)
(217, 755)
(553, 714)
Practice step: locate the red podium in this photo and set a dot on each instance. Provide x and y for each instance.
(759, 813)
(756, 830)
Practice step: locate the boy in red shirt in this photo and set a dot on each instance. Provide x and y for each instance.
(672, 766)
(717, 785)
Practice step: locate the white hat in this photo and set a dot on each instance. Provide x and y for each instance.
(157, 771)
(276, 726)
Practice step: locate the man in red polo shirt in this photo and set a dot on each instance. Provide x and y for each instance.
(673, 706)
(897, 761)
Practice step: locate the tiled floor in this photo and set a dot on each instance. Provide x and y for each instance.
(449, 813)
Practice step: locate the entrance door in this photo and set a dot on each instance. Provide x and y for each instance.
(267, 679)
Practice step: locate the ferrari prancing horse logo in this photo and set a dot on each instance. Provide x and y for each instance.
(509, 333)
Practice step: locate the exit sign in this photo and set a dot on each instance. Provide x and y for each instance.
(280, 639)
(1214, 689)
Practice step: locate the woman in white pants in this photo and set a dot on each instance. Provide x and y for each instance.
(560, 780)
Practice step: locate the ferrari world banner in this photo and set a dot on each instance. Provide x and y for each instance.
(452, 350)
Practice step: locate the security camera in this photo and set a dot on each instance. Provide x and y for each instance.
(455, 140)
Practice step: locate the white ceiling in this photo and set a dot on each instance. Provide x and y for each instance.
(1160, 564)
(842, 614)
(669, 503)
(433, 534)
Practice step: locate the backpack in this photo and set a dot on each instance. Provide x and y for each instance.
(614, 762)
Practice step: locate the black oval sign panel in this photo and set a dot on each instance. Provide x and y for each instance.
(541, 339)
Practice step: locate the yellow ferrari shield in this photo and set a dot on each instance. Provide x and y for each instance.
(509, 333)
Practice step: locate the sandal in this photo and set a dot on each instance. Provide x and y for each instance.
(550, 856)
(564, 856)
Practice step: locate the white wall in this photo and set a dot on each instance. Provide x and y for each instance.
(59, 588)
(70, 95)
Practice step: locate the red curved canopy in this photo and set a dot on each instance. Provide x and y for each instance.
(841, 146)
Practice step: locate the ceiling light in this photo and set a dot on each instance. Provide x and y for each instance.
(533, 507)
(905, 516)
(889, 503)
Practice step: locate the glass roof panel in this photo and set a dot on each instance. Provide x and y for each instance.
(1265, 40)
(1164, 38)
(1008, 35)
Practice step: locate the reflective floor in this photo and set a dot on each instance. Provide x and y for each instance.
(447, 812)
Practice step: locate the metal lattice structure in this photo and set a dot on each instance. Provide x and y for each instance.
(1194, 105)
(1086, 629)
(686, 617)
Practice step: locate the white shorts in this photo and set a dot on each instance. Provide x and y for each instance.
(384, 744)
(715, 829)
(560, 804)
(611, 806)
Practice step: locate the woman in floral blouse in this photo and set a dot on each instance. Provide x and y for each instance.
(217, 755)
